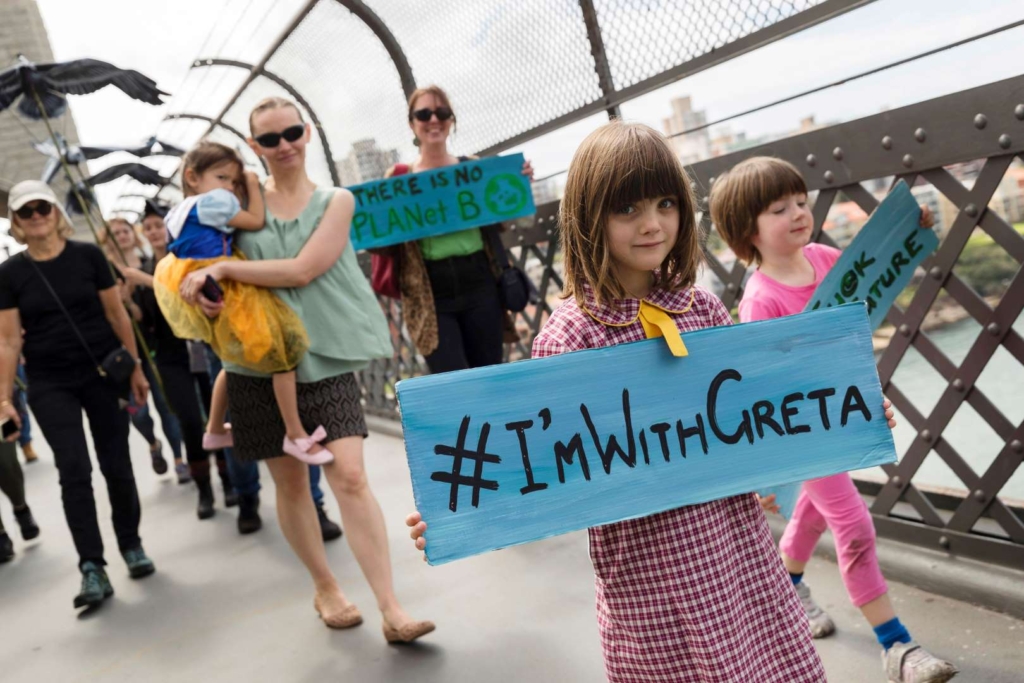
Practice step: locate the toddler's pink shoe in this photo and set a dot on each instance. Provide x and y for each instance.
(299, 448)
(215, 442)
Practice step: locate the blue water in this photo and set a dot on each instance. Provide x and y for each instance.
(1002, 382)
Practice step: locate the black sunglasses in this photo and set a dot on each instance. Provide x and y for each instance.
(291, 134)
(442, 113)
(42, 208)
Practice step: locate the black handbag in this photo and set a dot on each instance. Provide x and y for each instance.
(118, 365)
(514, 287)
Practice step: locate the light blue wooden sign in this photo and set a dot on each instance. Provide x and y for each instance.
(880, 261)
(874, 268)
(440, 201)
(514, 453)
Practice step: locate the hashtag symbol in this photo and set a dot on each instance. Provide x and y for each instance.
(459, 453)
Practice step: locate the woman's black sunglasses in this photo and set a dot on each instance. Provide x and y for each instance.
(291, 134)
(442, 113)
(42, 208)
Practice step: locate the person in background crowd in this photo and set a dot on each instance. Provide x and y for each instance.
(12, 483)
(21, 401)
(173, 363)
(127, 251)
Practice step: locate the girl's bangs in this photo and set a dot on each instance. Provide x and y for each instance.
(644, 168)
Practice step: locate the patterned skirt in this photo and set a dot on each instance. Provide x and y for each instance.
(256, 423)
(699, 595)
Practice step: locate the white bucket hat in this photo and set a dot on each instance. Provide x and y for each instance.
(30, 191)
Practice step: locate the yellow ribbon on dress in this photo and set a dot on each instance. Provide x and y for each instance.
(658, 323)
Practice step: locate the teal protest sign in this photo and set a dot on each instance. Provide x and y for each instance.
(880, 261)
(440, 201)
(874, 268)
(514, 453)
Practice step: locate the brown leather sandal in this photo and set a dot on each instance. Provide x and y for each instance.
(346, 618)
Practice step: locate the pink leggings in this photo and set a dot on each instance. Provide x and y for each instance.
(834, 502)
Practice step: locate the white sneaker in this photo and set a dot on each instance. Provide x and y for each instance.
(911, 663)
(821, 623)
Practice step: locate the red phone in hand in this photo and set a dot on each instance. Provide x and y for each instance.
(212, 291)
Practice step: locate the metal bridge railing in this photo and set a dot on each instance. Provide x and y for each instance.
(917, 144)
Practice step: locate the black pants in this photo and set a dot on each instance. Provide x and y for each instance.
(12, 481)
(180, 387)
(470, 318)
(57, 405)
(181, 395)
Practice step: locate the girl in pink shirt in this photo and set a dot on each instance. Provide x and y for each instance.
(760, 208)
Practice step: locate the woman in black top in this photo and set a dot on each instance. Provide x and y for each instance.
(65, 379)
(172, 360)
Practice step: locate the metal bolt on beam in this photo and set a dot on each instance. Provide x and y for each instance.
(920, 135)
(1017, 446)
(980, 496)
(837, 154)
(980, 121)
(1004, 141)
(971, 210)
(830, 177)
(926, 435)
(944, 542)
(908, 160)
(812, 160)
(887, 142)
(993, 329)
(958, 384)
(905, 330)
(1018, 111)
(936, 272)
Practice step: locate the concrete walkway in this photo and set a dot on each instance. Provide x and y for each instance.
(227, 608)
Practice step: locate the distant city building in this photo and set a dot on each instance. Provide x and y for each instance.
(693, 146)
(366, 161)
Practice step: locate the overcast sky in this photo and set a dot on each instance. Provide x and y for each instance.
(161, 38)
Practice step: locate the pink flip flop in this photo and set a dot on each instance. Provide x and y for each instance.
(215, 442)
(299, 448)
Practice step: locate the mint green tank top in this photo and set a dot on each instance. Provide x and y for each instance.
(346, 326)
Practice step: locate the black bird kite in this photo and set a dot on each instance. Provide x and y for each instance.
(51, 82)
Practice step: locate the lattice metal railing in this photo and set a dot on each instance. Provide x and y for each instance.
(915, 144)
(515, 70)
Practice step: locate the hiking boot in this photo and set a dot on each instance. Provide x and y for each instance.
(328, 529)
(248, 516)
(6, 548)
(820, 622)
(138, 562)
(29, 453)
(95, 586)
(181, 469)
(29, 528)
(911, 663)
(205, 509)
(156, 454)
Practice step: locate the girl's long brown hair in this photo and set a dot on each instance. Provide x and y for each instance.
(617, 165)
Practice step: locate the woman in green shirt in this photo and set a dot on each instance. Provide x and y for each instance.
(303, 253)
(449, 283)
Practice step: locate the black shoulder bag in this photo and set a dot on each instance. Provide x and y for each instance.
(514, 287)
(118, 366)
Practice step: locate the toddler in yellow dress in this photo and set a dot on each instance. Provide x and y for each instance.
(256, 329)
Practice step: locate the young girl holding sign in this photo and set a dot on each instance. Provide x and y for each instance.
(760, 208)
(697, 593)
(256, 330)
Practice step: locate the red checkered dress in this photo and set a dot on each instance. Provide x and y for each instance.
(696, 594)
